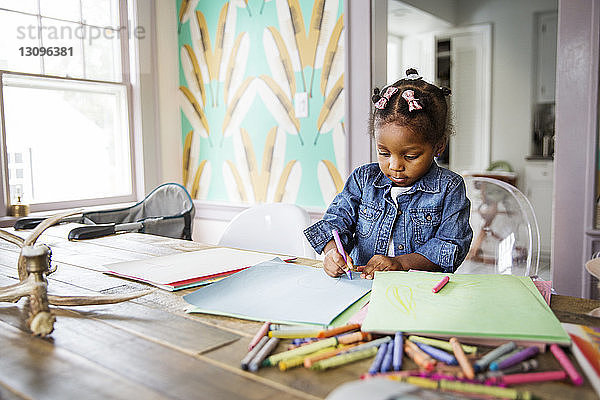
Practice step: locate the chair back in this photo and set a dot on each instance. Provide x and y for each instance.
(506, 238)
(168, 210)
(272, 227)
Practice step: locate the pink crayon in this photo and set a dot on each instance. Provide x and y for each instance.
(516, 379)
(340, 248)
(261, 332)
(440, 284)
(566, 364)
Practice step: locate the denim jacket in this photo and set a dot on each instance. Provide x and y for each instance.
(432, 218)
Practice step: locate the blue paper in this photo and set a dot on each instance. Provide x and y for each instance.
(279, 292)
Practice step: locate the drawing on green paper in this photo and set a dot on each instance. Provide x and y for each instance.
(241, 73)
(401, 297)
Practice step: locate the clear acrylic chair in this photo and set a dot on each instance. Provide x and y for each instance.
(506, 238)
(272, 228)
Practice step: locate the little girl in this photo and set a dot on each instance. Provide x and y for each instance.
(403, 212)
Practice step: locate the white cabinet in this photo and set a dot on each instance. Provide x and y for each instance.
(547, 29)
(538, 184)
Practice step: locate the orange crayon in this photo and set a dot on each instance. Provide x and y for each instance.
(336, 331)
(422, 359)
(354, 337)
(464, 363)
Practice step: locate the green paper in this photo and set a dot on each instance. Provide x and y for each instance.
(478, 306)
(349, 312)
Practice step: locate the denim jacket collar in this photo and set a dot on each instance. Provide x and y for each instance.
(429, 183)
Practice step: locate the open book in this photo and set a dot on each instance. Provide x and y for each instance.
(184, 270)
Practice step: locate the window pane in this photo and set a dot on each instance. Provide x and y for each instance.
(29, 6)
(103, 55)
(66, 35)
(72, 139)
(100, 12)
(16, 31)
(62, 9)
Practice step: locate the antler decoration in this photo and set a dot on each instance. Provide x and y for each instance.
(33, 266)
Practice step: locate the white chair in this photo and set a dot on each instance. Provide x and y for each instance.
(272, 228)
(506, 238)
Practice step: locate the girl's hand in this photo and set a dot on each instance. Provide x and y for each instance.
(380, 263)
(334, 264)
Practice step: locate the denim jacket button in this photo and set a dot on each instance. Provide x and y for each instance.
(400, 247)
(428, 217)
(399, 212)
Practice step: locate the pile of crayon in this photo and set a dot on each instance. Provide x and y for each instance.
(491, 374)
(315, 349)
(444, 365)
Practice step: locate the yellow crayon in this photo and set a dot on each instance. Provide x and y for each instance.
(307, 349)
(457, 386)
(293, 334)
(441, 344)
(344, 358)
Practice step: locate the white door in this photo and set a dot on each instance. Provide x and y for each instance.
(470, 81)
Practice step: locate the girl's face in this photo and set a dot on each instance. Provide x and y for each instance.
(403, 156)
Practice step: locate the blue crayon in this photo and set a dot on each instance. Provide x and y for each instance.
(398, 351)
(386, 365)
(299, 341)
(438, 354)
(378, 359)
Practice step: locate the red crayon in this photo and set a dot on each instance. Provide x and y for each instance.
(440, 284)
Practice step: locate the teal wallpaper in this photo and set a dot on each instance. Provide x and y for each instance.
(243, 67)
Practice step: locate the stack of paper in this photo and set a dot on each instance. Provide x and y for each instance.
(279, 292)
(184, 270)
(503, 307)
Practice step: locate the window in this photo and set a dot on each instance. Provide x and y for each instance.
(64, 103)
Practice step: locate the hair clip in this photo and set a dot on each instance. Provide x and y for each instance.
(413, 104)
(382, 102)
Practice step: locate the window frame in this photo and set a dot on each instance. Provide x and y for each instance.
(129, 72)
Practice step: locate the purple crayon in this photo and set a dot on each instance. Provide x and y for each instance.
(517, 358)
(386, 364)
(376, 365)
(438, 354)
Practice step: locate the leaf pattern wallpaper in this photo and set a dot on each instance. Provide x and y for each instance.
(243, 64)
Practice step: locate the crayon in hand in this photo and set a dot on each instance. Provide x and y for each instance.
(340, 248)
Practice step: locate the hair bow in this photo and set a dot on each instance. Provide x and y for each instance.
(382, 102)
(413, 104)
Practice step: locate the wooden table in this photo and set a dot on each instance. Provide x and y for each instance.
(149, 348)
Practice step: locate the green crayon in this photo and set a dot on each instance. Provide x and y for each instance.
(344, 358)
